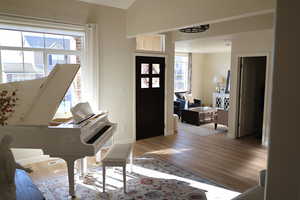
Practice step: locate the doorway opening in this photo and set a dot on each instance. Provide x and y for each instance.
(201, 85)
(252, 96)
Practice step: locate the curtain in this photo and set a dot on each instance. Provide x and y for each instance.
(190, 73)
(90, 67)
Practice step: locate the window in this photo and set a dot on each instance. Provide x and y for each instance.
(30, 55)
(182, 73)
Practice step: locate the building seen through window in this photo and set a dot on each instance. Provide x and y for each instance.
(28, 55)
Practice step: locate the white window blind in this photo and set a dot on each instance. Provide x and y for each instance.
(11, 22)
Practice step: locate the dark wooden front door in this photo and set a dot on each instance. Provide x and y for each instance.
(150, 91)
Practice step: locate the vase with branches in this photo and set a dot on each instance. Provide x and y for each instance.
(8, 101)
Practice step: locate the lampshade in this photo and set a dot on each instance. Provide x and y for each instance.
(218, 79)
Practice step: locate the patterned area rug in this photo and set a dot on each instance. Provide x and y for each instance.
(151, 179)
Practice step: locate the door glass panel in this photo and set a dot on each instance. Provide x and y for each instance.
(155, 69)
(144, 82)
(145, 69)
(155, 83)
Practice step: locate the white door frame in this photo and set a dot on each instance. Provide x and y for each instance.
(268, 92)
(160, 55)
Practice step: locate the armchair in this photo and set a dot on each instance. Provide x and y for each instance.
(197, 103)
(221, 117)
(179, 105)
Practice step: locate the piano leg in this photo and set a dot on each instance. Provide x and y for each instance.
(131, 160)
(70, 164)
(83, 166)
(103, 176)
(98, 156)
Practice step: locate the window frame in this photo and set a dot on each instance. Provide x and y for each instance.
(46, 52)
(188, 74)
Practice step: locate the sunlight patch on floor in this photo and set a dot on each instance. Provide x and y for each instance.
(213, 192)
(114, 181)
(169, 151)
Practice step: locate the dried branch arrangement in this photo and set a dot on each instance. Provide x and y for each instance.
(7, 103)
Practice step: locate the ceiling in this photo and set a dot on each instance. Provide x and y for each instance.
(207, 45)
(124, 4)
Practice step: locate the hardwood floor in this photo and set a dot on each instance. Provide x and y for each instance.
(232, 163)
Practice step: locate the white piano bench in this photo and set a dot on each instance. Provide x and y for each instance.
(117, 156)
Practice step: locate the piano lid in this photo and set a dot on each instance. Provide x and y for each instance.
(35, 101)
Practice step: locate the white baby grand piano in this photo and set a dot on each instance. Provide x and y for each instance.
(37, 103)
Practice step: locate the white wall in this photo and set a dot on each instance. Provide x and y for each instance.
(153, 16)
(247, 44)
(205, 68)
(116, 71)
(169, 89)
(197, 75)
(116, 67)
(283, 165)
